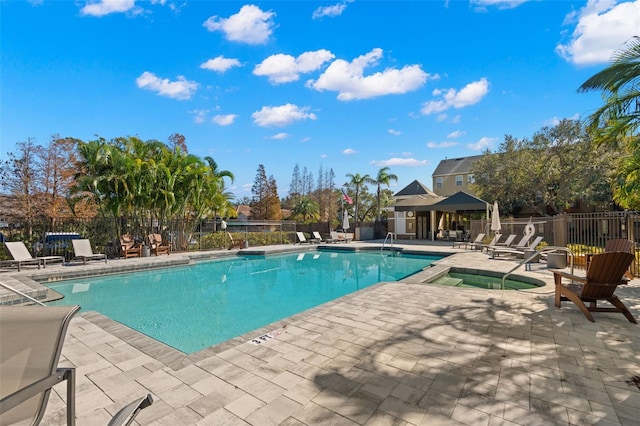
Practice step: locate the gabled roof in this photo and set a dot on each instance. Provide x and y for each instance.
(455, 166)
(415, 188)
(460, 202)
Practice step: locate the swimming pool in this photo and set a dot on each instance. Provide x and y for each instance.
(197, 306)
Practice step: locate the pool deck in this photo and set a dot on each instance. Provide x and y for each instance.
(401, 353)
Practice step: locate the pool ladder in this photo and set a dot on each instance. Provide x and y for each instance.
(390, 236)
(537, 254)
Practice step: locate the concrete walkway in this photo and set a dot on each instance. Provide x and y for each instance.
(398, 353)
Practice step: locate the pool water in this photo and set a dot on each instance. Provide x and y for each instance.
(456, 279)
(197, 306)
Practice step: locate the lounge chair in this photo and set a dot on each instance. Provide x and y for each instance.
(508, 241)
(517, 249)
(129, 247)
(158, 247)
(317, 236)
(478, 240)
(32, 340)
(492, 243)
(605, 274)
(21, 256)
(233, 243)
(82, 250)
(303, 240)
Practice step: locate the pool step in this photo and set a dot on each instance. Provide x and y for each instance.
(448, 281)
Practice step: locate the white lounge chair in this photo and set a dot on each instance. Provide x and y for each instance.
(21, 256)
(317, 236)
(82, 250)
(32, 340)
(303, 240)
(516, 250)
(471, 244)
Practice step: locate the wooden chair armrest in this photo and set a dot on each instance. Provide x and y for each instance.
(572, 277)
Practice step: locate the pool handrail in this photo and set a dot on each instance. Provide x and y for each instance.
(538, 253)
(21, 294)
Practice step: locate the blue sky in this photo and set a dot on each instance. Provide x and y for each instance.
(349, 85)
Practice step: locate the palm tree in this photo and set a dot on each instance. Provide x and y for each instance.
(383, 178)
(620, 83)
(306, 209)
(616, 122)
(358, 181)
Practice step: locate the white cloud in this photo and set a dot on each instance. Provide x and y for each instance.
(283, 68)
(349, 151)
(220, 64)
(602, 28)
(330, 11)
(500, 4)
(105, 7)
(456, 134)
(470, 94)
(180, 89)
(224, 119)
(447, 144)
(281, 115)
(348, 79)
(400, 162)
(394, 132)
(279, 136)
(199, 115)
(482, 144)
(250, 25)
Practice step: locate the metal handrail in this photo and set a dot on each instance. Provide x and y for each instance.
(19, 293)
(538, 253)
(390, 237)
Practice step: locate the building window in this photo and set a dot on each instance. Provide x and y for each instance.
(459, 180)
(471, 179)
(438, 182)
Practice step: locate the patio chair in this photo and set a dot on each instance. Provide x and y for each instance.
(82, 250)
(517, 249)
(471, 244)
(32, 340)
(508, 241)
(21, 256)
(492, 243)
(158, 247)
(233, 243)
(605, 274)
(303, 240)
(129, 247)
(618, 244)
(317, 236)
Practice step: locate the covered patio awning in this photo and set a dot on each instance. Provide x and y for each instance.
(417, 203)
(460, 202)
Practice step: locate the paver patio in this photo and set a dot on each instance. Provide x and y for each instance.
(398, 353)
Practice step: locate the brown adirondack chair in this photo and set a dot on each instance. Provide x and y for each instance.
(618, 244)
(158, 247)
(604, 275)
(129, 248)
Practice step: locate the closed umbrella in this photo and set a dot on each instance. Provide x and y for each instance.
(345, 221)
(495, 219)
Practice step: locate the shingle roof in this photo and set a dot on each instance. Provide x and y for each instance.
(415, 188)
(455, 166)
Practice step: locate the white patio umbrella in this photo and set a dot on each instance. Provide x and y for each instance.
(345, 221)
(495, 219)
(441, 224)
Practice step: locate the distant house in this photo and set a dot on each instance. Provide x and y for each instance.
(243, 212)
(453, 175)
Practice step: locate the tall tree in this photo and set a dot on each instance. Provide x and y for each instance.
(260, 193)
(617, 122)
(59, 165)
(358, 181)
(383, 178)
(22, 177)
(274, 209)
